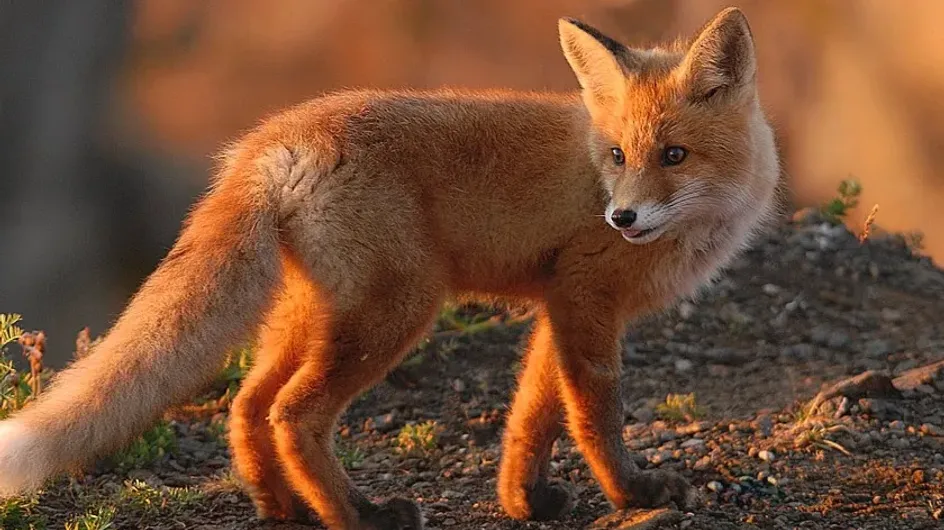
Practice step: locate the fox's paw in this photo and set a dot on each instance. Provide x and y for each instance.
(395, 514)
(551, 500)
(652, 489)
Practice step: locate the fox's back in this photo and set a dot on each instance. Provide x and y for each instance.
(501, 179)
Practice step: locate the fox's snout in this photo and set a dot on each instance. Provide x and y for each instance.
(623, 218)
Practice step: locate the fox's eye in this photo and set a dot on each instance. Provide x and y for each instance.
(673, 156)
(618, 157)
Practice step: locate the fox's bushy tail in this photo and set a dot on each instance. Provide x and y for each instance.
(207, 295)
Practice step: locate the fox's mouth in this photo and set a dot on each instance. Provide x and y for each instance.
(634, 233)
(640, 236)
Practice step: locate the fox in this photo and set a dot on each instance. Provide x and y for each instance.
(333, 232)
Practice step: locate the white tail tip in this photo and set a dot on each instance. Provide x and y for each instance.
(23, 464)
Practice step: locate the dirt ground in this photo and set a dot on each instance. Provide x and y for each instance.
(807, 306)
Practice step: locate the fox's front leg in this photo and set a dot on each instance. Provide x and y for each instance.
(586, 329)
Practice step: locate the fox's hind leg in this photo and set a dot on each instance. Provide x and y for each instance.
(365, 342)
(533, 426)
(282, 340)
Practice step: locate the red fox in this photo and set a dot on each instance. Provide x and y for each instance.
(336, 229)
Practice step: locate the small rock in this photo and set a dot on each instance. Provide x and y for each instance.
(881, 409)
(765, 424)
(702, 464)
(692, 428)
(766, 456)
(800, 351)
(458, 385)
(911, 379)
(932, 429)
(771, 289)
(715, 486)
(683, 365)
(878, 348)
(917, 477)
(660, 457)
(692, 442)
(686, 310)
(891, 315)
(637, 519)
(897, 425)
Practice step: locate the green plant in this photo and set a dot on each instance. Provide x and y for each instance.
(218, 428)
(147, 448)
(19, 513)
(15, 388)
(418, 438)
(350, 455)
(9, 331)
(144, 498)
(101, 519)
(836, 210)
(680, 407)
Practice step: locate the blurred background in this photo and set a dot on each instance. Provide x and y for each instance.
(111, 110)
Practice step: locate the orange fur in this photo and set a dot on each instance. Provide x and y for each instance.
(341, 225)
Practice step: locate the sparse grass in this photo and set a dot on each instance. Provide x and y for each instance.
(418, 438)
(836, 210)
(350, 455)
(817, 435)
(811, 430)
(103, 518)
(147, 499)
(19, 513)
(680, 407)
(147, 448)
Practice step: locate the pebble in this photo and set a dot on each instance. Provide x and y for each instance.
(931, 429)
(771, 289)
(661, 456)
(692, 442)
(702, 464)
(715, 486)
(686, 310)
(683, 365)
(802, 350)
(878, 348)
(766, 456)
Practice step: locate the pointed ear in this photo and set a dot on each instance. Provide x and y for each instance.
(721, 59)
(594, 59)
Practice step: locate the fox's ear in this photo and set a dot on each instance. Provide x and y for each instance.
(594, 59)
(721, 58)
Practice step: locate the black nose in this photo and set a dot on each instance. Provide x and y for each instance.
(623, 218)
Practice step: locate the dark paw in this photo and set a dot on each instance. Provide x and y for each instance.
(551, 500)
(652, 489)
(395, 514)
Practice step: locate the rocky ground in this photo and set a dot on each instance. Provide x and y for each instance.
(809, 306)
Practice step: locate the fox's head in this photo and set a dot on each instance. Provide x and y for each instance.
(678, 134)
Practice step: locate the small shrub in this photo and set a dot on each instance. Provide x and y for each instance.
(836, 210)
(679, 407)
(101, 519)
(19, 513)
(147, 448)
(419, 438)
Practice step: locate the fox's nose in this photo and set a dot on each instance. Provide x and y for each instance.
(623, 218)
